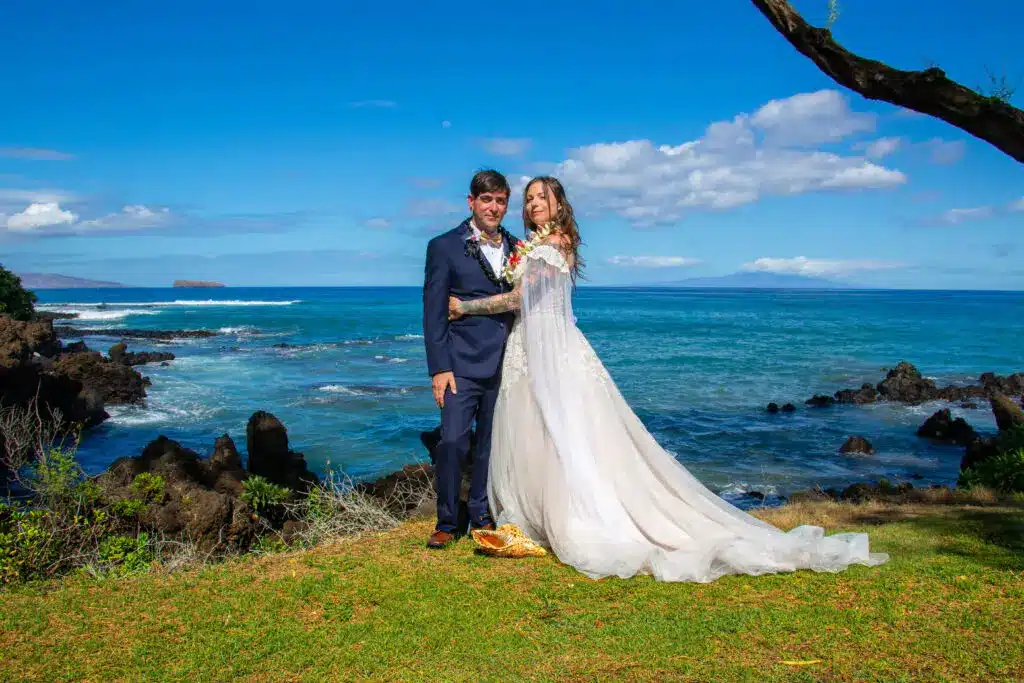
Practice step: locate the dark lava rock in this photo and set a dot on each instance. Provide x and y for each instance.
(905, 384)
(820, 401)
(401, 491)
(115, 383)
(199, 500)
(788, 408)
(1007, 412)
(76, 347)
(857, 445)
(136, 334)
(866, 394)
(55, 315)
(1012, 385)
(941, 426)
(772, 408)
(270, 457)
(29, 373)
(119, 354)
(858, 493)
(978, 450)
(21, 341)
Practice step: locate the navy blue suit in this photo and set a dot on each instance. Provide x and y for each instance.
(472, 348)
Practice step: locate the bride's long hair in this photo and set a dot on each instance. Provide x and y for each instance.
(564, 219)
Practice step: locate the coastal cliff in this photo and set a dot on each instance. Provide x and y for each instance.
(197, 283)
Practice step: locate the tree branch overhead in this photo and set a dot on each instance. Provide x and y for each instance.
(928, 92)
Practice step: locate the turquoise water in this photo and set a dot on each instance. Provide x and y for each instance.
(698, 366)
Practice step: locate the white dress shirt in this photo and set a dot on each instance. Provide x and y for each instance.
(495, 255)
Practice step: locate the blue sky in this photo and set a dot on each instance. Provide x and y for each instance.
(305, 144)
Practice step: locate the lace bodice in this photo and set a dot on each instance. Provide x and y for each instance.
(546, 261)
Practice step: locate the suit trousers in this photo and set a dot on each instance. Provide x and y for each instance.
(474, 400)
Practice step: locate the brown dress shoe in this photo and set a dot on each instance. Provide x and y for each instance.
(440, 539)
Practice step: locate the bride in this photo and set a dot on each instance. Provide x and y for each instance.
(574, 468)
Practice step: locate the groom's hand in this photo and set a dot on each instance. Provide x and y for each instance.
(454, 310)
(442, 382)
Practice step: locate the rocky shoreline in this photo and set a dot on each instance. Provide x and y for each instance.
(202, 497)
(906, 385)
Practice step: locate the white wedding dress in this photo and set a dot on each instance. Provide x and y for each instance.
(577, 471)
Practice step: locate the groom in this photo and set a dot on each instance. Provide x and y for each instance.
(464, 356)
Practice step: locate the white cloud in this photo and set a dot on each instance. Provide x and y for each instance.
(40, 215)
(378, 223)
(801, 265)
(882, 147)
(375, 104)
(1017, 205)
(944, 152)
(36, 196)
(736, 162)
(955, 216)
(653, 261)
(131, 217)
(810, 119)
(34, 153)
(506, 147)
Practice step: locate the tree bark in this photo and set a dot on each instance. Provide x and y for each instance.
(928, 91)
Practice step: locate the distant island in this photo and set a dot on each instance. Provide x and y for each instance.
(756, 280)
(53, 281)
(197, 283)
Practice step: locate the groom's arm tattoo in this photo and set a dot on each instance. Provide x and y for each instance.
(500, 303)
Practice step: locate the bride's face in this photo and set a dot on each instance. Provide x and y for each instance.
(541, 206)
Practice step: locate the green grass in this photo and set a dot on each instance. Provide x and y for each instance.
(948, 606)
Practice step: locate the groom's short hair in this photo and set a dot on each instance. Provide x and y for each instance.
(488, 181)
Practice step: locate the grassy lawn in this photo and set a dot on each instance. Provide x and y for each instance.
(948, 606)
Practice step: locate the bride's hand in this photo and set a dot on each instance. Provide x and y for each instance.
(454, 308)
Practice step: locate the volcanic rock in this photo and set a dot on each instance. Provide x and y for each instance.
(941, 426)
(270, 456)
(857, 445)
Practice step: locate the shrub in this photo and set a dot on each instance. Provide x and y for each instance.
(1003, 472)
(15, 301)
(1011, 439)
(336, 508)
(262, 495)
(123, 555)
(149, 487)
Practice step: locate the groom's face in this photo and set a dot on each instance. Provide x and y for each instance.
(488, 209)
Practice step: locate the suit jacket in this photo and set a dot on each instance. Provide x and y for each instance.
(471, 346)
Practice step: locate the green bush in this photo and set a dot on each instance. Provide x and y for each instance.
(149, 487)
(1003, 472)
(123, 555)
(1011, 439)
(26, 546)
(58, 481)
(128, 508)
(15, 301)
(262, 495)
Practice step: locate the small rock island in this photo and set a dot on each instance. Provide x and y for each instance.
(197, 283)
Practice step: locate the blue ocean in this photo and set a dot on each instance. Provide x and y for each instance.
(344, 369)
